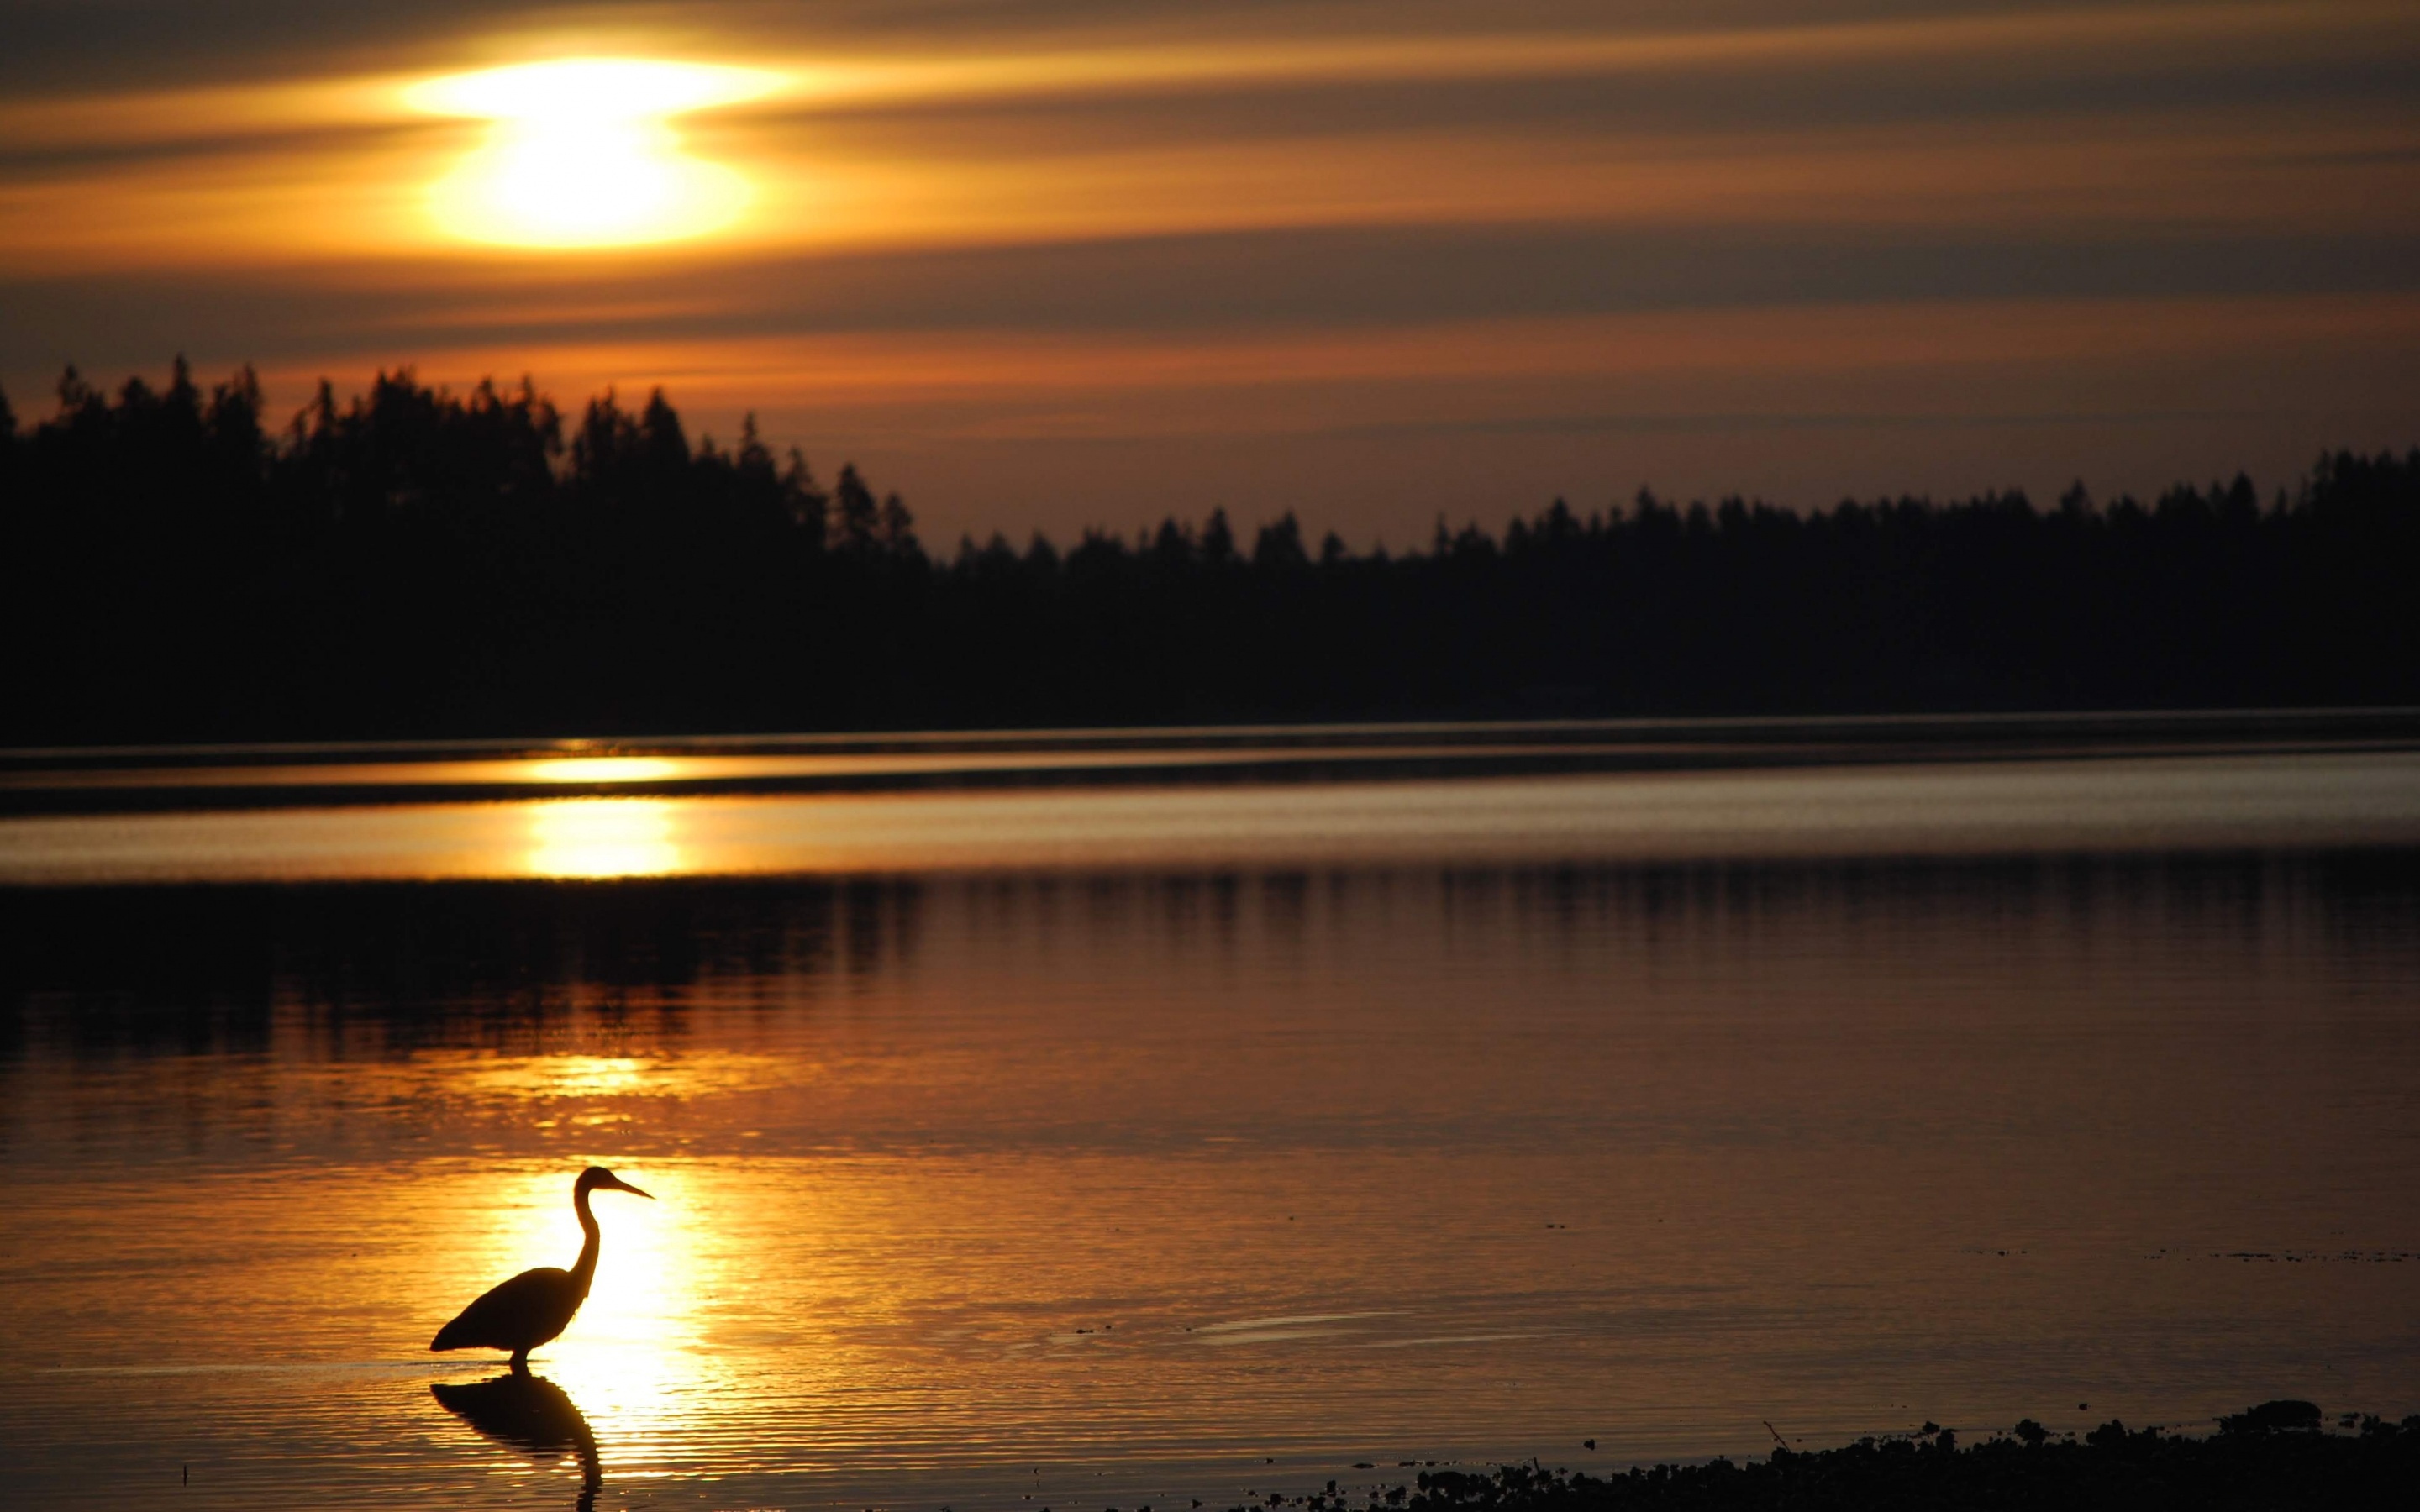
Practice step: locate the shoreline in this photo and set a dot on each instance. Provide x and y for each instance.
(2279, 1454)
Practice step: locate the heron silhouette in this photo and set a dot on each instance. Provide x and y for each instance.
(536, 1306)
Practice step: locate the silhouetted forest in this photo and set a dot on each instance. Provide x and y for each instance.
(417, 562)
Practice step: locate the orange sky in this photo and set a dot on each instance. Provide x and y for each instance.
(1052, 262)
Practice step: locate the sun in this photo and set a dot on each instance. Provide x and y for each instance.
(583, 152)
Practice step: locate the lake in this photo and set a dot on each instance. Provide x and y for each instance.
(1113, 1120)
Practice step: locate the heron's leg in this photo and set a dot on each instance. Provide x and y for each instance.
(520, 1362)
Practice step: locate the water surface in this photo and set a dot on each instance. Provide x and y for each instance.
(1082, 1149)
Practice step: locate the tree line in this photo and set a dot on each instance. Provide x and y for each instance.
(417, 562)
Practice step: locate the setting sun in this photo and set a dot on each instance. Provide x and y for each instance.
(582, 152)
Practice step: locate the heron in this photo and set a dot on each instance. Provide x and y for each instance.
(536, 1306)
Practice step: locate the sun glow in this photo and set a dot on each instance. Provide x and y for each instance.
(582, 152)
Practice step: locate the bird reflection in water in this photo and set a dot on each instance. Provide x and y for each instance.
(532, 1414)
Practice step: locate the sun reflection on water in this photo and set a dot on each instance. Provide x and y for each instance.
(594, 1075)
(602, 838)
(594, 769)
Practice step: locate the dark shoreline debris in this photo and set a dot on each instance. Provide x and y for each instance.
(2275, 1455)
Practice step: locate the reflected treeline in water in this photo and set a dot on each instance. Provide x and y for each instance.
(420, 564)
(531, 1415)
(386, 969)
(209, 969)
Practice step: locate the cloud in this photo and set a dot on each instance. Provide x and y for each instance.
(1328, 278)
(1054, 228)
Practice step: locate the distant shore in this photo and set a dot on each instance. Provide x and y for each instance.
(423, 564)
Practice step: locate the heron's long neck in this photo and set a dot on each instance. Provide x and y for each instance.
(586, 1267)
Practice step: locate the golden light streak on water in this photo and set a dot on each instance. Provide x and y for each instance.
(2101, 807)
(599, 769)
(537, 1079)
(602, 838)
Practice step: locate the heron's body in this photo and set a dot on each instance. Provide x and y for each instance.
(535, 1306)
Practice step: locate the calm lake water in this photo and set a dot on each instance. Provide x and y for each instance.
(1093, 1146)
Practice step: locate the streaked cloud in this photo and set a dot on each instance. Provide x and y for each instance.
(1026, 224)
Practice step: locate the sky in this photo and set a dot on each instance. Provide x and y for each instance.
(1049, 264)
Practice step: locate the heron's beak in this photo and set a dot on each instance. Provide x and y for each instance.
(620, 1186)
